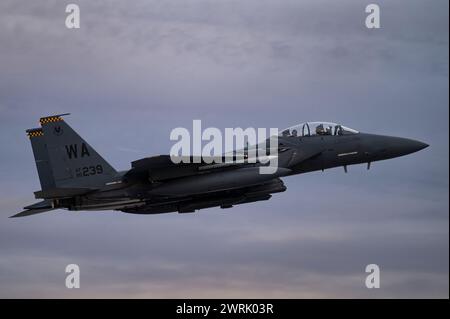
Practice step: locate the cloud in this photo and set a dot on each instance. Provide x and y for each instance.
(134, 72)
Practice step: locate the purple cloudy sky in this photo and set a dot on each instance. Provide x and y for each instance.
(135, 70)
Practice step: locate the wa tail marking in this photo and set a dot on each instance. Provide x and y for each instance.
(72, 150)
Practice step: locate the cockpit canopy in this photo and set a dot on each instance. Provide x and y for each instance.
(317, 128)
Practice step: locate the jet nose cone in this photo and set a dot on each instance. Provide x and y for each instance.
(404, 146)
(420, 145)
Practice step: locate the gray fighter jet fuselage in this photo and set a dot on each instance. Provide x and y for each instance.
(75, 177)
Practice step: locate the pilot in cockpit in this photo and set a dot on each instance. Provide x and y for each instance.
(320, 130)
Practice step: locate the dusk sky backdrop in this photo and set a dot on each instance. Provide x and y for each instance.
(137, 69)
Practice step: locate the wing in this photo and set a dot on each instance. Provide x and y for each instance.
(186, 187)
(161, 167)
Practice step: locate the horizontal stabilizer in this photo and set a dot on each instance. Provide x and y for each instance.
(44, 204)
(62, 192)
(29, 212)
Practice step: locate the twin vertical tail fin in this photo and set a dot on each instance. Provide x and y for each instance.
(67, 165)
(64, 159)
(41, 158)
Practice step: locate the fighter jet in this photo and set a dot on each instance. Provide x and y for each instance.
(73, 176)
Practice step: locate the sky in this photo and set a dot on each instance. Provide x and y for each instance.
(136, 70)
